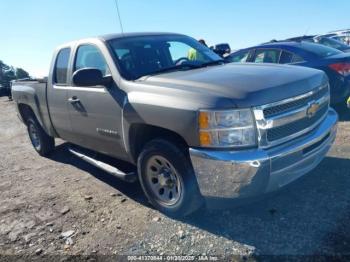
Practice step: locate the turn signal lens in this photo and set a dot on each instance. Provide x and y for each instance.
(205, 138)
(203, 120)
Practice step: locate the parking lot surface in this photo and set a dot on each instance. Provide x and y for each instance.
(61, 205)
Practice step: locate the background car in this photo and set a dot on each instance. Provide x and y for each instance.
(4, 90)
(221, 49)
(300, 38)
(323, 40)
(334, 63)
(340, 35)
(332, 42)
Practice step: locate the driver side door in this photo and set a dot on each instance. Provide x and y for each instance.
(96, 112)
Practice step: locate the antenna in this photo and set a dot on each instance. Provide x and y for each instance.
(118, 15)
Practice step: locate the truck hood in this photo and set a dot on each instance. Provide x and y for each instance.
(246, 84)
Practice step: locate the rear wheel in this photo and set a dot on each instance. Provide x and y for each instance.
(168, 180)
(42, 142)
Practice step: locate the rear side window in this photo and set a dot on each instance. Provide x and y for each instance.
(286, 58)
(289, 58)
(91, 57)
(61, 66)
(267, 56)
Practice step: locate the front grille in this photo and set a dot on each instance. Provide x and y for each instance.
(280, 132)
(289, 106)
(282, 121)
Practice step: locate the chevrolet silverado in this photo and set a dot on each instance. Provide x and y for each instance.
(196, 128)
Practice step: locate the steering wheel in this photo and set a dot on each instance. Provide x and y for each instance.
(181, 60)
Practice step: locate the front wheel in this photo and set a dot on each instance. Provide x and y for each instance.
(41, 141)
(168, 180)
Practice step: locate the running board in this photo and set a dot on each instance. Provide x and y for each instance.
(128, 177)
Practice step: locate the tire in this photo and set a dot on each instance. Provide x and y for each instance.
(167, 179)
(42, 142)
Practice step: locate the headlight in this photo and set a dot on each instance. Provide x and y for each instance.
(233, 128)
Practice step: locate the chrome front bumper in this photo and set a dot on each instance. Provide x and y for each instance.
(241, 174)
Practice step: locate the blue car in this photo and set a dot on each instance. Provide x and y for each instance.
(335, 63)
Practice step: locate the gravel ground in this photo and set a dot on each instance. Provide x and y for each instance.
(62, 206)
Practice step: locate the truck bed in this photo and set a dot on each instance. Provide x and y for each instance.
(33, 93)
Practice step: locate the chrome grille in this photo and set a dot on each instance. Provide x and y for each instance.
(282, 121)
(294, 127)
(278, 109)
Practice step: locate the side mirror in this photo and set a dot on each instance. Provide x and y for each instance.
(90, 77)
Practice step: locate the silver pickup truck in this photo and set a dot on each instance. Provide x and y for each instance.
(196, 128)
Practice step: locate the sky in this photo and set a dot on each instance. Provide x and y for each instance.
(31, 29)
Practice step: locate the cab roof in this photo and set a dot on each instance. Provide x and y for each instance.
(125, 35)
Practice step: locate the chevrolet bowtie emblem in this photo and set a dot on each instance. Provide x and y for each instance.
(312, 109)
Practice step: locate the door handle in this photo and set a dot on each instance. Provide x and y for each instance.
(73, 100)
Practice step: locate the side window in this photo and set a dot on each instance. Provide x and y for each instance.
(90, 56)
(239, 57)
(61, 67)
(286, 57)
(267, 56)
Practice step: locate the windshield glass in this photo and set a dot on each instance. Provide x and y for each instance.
(333, 43)
(320, 50)
(146, 55)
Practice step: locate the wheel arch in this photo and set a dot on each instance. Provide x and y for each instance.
(26, 112)
(141, 134)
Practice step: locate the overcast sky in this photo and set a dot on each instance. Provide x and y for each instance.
(31, 29)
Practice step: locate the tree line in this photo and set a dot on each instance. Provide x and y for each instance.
(9, 73)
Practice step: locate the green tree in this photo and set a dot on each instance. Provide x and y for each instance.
(21, 73)
(9, 73)
(3, 69)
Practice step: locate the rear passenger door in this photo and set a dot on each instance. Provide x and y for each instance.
(57, 94)
(96, 112)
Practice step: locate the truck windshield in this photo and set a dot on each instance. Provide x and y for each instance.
(139, 56)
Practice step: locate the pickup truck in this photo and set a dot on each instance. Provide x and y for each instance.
(199, 131)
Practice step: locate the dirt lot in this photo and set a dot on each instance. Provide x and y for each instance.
(41, 198)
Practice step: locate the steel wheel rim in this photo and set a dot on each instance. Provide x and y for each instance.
(163, 180)
(34, 137)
